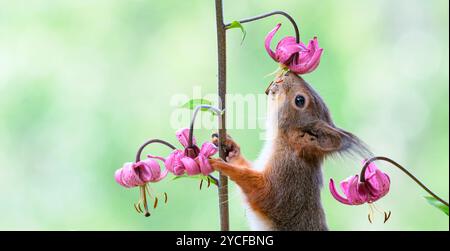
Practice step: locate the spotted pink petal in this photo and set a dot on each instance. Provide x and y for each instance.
(208, 149)
(129, 176)
(118, 177)
(204, 165)
(285, 49)
(149, 170)
(356, 192)
(377, 182)
(179, 170)
(378, 185)
(309, 59)
(190, 165)
(183, 136)
(173, 162)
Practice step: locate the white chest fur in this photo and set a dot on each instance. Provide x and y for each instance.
(256, 222)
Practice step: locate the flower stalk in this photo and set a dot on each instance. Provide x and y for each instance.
(194, 116)
(366, 164)
(143, 188)
(278, 12)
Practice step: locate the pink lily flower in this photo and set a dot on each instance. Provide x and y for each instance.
(192, 160)
(140, 173)
(356, 193)
(294, 56)
(375, 187)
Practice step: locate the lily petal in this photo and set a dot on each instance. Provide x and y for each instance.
(190, 165)
(378, 185)
(173, 162)
(336, 195)
(208, 149)
(148, 170)
(118, 177)
(285, 49)
(204, 165)
(183, 136)
(356, 193)
(268, 40)
(309, 59)
(129, 176)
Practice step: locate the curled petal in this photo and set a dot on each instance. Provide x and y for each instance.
(377, 182)
(183, 136)
(208, 149)
(269, 39)
(190, 165)
(378, 185)
(130, 177)
(179, 170)
(356, 193)
(309, 59)
(286, 48)
(118, 177)
(173, 162)
(148, 170)
(204, 165)
(345, 185)
(156, 157)
(336, 195)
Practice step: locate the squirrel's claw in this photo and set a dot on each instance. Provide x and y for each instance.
(232, 149)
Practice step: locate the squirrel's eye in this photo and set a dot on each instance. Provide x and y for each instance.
(299, 101)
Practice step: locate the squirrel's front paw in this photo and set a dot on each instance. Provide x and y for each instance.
(216, 163)
(232, 150)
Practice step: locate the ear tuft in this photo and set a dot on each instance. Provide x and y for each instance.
(329, 140)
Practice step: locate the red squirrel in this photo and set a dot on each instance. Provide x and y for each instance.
(282, 187)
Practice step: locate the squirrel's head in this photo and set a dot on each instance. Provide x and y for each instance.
(302, 118)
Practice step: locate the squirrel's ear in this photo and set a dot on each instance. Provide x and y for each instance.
(331, 139)
(328, 138)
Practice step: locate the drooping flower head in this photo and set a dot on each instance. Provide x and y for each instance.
(357, 192)
(192, 160)
(294, 56)
(139, 173)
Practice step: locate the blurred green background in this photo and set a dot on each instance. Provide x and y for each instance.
(84, 83)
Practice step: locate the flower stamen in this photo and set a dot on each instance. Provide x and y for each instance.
(387, 216)
(371, 213)
(156, 202)
(144, 201)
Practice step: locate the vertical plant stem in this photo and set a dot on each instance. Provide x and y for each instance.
(221, 60)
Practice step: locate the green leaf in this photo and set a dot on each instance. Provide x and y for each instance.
(236, 24)
(198, 177)
(191, 104)
(439, 205)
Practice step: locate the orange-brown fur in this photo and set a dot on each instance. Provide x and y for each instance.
(285, 193)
